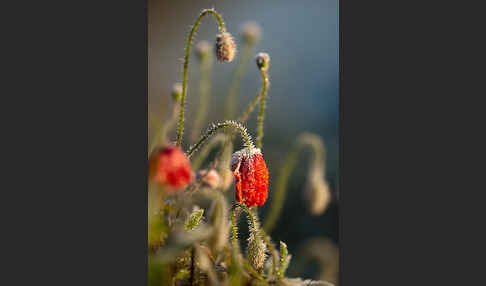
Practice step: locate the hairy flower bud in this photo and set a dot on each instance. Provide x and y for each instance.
(251, 32)
(225, 47)
(170, 167)
(256, 251)
(177, 92)
(203, 50)
(263, 61)
(210, 179)
(251, 175)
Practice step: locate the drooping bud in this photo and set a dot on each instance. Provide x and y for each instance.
(169, 167)
(210, 179)
(317, 193)
(177, 92)
(203, 50)
(263, 61)
(256, 251)
(225, 47)
(251, 32)
(251, 175)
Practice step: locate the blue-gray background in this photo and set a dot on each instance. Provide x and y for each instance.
(302, 39)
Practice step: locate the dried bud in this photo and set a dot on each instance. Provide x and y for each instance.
(177, 92)
(251, 32)
(210, 179)
(317, 194)
(203, 50)
(225, 47)
(251, 175)
(263, 61)
(170, 167)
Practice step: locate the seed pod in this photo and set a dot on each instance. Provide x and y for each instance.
(225, 47)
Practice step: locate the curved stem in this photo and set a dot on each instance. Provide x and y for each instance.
(278, 199)
(215, 127)
(261, 115)
(222, 29)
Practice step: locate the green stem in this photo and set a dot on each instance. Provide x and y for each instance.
(204, 94)
(222, 29)
(261, 115)
(215, 127)
(278, 198)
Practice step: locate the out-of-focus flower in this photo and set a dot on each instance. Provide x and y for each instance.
(251, 32)
(251, 175)
(225, 47)
(170, 167)
(203, 50)
(177, 92)
(210, 179)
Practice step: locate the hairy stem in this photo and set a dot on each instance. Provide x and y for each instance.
(222, 29)
(261, 114)
(278, 198)
(215, 127)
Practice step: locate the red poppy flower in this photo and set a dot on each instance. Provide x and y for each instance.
(251, 176)
(170, 167)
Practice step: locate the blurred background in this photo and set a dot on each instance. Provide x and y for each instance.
(301, 38)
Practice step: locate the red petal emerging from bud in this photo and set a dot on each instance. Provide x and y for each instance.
(251, 176)
(170, 167)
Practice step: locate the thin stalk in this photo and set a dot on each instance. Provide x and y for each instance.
(218, 139)
(278, 198)
(204, 94)
(222, 29)
(215, 127)
(261, 115)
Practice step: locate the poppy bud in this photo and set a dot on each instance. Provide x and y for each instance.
(251, 175)
(225, 47)
(317, 194)
(176, 92)
(203, 50)
(251, 32)
(210, 179)
(170, 167)
(263, 61)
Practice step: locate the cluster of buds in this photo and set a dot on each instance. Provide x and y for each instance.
(251, 175)
(225, 47)
(168, 166)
